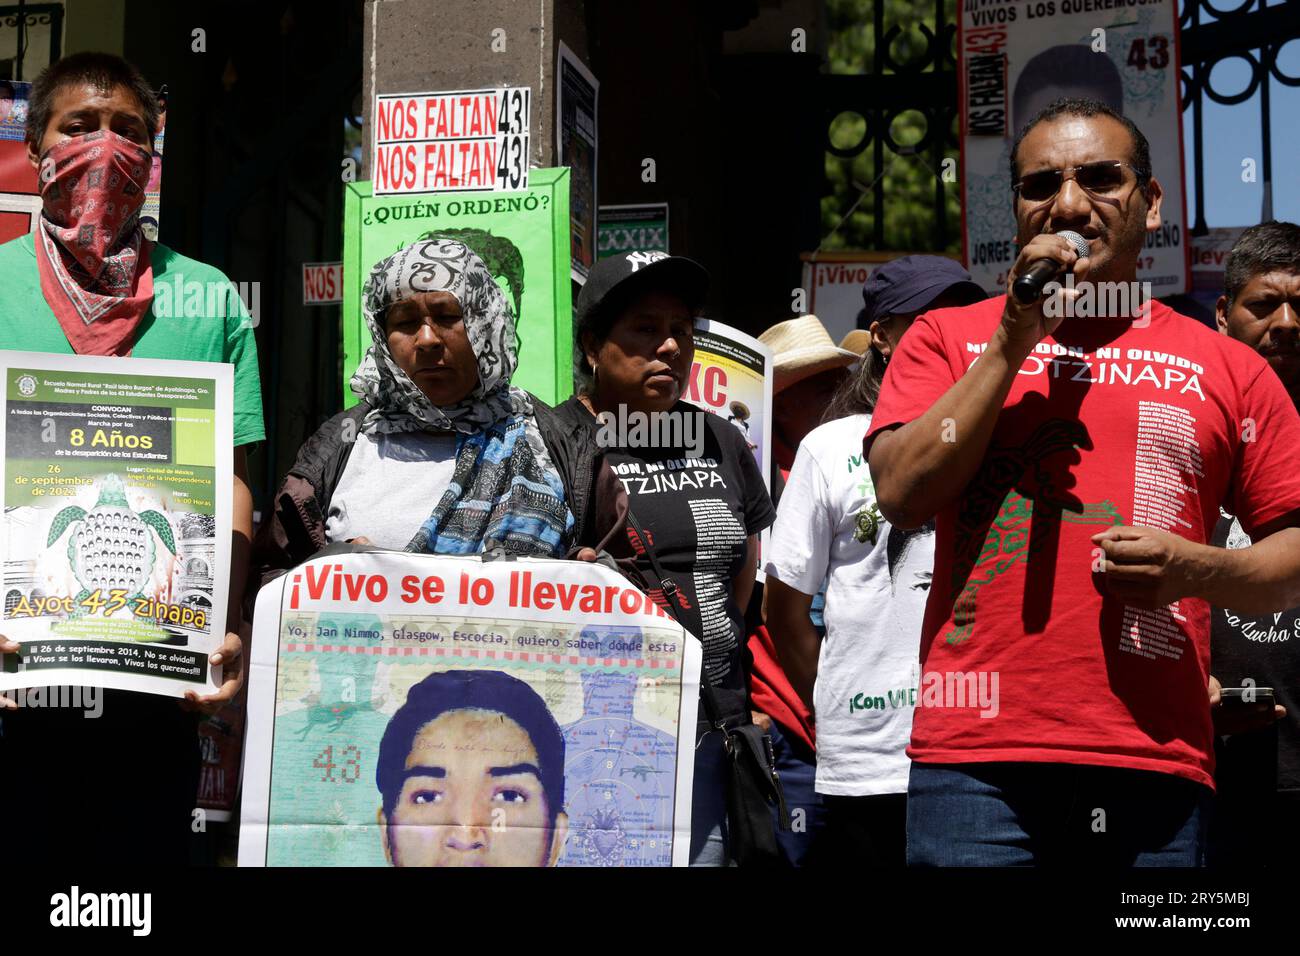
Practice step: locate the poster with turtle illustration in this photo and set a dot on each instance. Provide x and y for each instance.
(117, 514)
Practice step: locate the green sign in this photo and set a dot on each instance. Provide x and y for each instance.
(639, 228)
(523, 237)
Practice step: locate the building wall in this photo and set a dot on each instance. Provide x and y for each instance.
(98, 25)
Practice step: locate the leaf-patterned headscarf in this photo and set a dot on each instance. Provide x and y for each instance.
(397, 403)
(504, 492)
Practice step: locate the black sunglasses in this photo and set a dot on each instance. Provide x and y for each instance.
(1099, 179)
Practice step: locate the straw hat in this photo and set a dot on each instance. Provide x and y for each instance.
(740, 409)
(802, 348)
(857, 341)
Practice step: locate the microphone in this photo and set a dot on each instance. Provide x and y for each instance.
(1029, 286)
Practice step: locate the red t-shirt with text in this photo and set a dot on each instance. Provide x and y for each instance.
(1023, 655)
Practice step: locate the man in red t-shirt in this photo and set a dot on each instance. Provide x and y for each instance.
(1074, 452)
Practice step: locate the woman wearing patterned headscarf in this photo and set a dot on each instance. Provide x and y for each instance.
(443, 455)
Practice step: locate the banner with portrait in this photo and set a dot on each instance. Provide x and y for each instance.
(1017, 57)
(522, 237)
(421, 710)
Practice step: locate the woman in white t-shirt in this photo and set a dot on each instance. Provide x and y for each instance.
(861, 680)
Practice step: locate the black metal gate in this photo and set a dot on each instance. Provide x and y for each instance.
(926, 82)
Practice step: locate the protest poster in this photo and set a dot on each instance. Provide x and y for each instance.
(576, 95)
(221, 747)
(454, 141)
(117, 517)
(731, 377)
(834, 283)
(20, 203)
(1018, 56)
(522, 237)
(425, 710)
(151, 211)
(639, 227)
(322, 283)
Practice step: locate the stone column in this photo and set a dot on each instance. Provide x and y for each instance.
(415, 46)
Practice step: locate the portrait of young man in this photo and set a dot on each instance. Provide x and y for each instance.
(471, 773)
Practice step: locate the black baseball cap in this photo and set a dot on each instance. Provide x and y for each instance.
(627, 273)
(910, 283)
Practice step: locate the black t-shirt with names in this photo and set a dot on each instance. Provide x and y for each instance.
(1266, 649)
(698, 511)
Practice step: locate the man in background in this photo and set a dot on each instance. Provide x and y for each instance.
(83, 282)
(1257, 810)
(1074, 460)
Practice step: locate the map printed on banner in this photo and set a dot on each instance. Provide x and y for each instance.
(462, 141)
(421, 710)
(1019, 56)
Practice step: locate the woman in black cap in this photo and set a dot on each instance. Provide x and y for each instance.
(692, 482)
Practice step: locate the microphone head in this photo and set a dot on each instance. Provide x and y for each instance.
(1077, 241)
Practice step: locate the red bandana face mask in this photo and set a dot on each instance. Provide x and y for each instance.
(92, 257)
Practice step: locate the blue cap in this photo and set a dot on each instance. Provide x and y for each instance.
(910, 283)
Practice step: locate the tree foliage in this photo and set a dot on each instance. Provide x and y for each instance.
(909, 184)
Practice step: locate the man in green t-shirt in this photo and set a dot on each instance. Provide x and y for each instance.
(120, 783)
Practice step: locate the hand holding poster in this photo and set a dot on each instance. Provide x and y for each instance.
(421, 710)
(117, 515)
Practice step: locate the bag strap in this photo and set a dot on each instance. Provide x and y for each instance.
(732, 740)
(712, 710)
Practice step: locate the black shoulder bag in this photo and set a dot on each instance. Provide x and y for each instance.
(753, 785)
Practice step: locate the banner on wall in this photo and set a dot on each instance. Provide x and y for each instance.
(834, 283)
(1018, 56)
(453, 141)
(522, 237)
(322, 283)
(19, 202)
(576, 94)
(422, 710)
(151, 212)
(642, 227)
